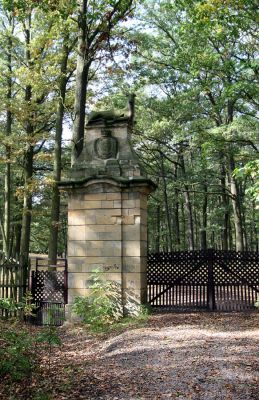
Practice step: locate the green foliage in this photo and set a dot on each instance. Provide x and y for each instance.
(26, 305)
(16, 354)
(19, 350)
(49, 336)
(251, 170)
(8, 304)
(102, 306)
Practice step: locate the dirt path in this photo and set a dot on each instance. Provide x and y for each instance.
(193, 356)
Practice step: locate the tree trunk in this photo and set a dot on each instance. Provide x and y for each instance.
(236, 205)
(8, 132)
(7, 188)
(55, 201)
(82, 70)
(188, 211)
(225, 204)
(176, 221)
(28, 172)
(254, 231)
(203, 232)
(184, 244)
(158, 224)
(167, 211)
(17, 241)
(176, 214)
(27, 211)
(187, 207)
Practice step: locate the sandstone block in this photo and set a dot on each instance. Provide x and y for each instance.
(108, 204)
(76, 218)
(76, 248)
(131, 232)
(134, 264)
(103, 232)
(102, 248)
(94, 196)
(128, 220)
(104, 219)
(132, 248)
(75, 292)
(91, 233)
(111, 235)
(113, 196)
(76, 232)
(135, 280)
(129, 204)
(143, 233)
(89, 264)
(131, 211)
(84, 281)
(76, 204)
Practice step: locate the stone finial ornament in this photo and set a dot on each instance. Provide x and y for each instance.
(111, 116)
(107, 149)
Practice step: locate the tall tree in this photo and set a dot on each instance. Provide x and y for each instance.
(201, 56)
(7, 48)
(96, 22)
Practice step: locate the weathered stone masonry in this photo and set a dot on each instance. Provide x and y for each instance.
(107, 212)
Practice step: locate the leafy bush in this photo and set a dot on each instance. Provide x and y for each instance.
(25, 307)
(8, 305)
(16, 354)
(102, 306)
(49, 336)
(19, 350)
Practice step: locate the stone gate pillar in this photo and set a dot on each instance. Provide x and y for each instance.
(107, 211)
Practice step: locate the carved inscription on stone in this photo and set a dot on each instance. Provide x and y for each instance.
(106, 146)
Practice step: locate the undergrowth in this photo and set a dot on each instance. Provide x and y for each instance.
(102, 310)
(21, 347)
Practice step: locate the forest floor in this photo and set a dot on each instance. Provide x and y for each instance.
(198, 356)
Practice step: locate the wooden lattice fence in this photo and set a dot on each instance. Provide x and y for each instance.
(12, 283)
(211, 280)
(48, 285)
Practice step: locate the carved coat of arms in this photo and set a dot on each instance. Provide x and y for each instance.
(106, 146)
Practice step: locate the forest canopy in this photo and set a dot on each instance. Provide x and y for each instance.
(192, 65)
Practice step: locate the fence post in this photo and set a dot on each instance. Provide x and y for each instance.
(211, 302)
(65, 283)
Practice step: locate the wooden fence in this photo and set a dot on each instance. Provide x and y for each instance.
(12, 283)
(48, 285)
(203, 280)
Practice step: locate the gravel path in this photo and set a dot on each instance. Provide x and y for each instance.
(192, 356)
(198, 356)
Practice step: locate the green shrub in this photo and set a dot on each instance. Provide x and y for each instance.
(102, 306)
(8, 305)
(25, 307)
(19, 349)
(16, 354)
(49, 336)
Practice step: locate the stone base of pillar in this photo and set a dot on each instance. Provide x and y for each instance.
(107, 231)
